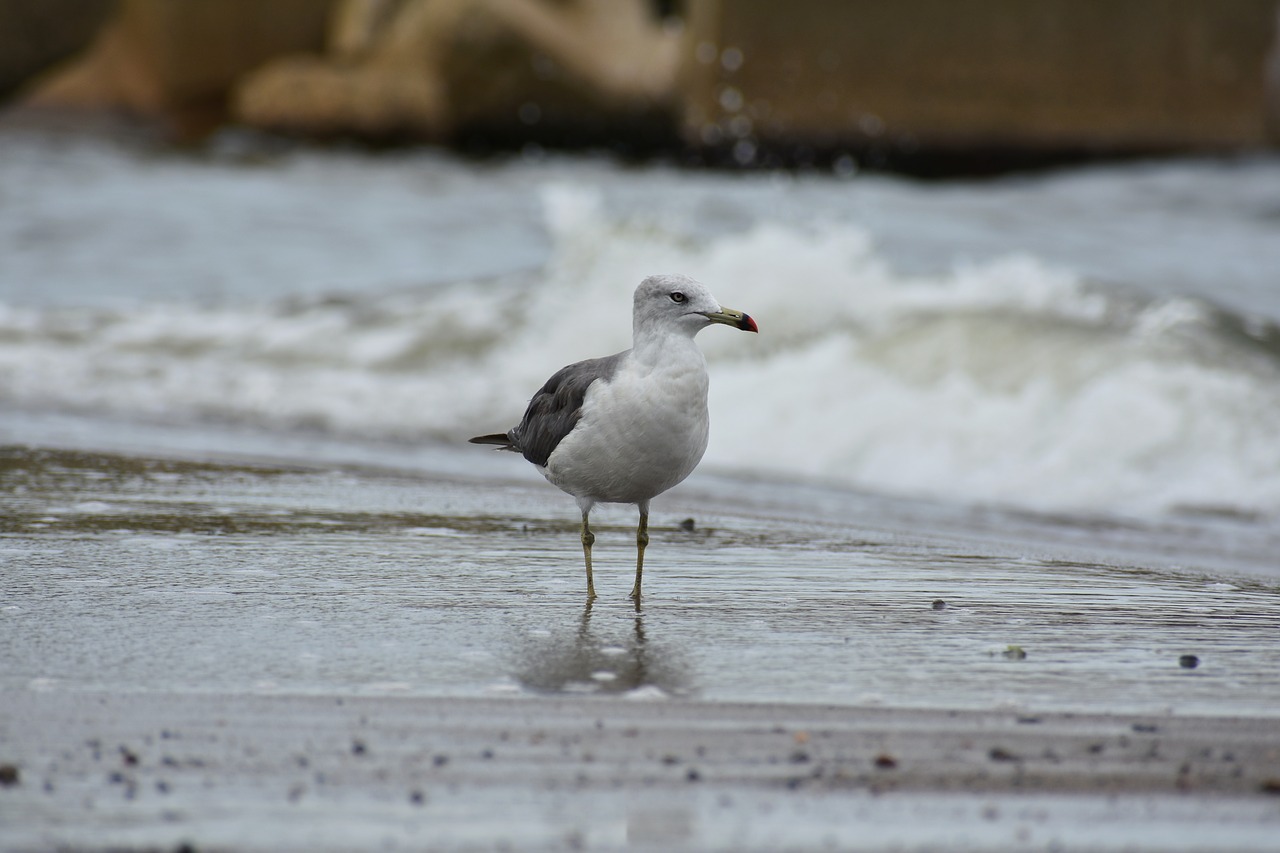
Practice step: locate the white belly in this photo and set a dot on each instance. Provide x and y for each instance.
(640, 434)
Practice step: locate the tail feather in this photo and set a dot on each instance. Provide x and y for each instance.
(501, 439)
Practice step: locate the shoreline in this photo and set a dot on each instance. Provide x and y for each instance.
(166, 769)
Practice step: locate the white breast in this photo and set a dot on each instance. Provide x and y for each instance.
(641, 433)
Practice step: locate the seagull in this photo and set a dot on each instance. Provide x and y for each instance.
(629, 426)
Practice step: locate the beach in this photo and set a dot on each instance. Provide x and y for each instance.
(253, 772)
(243, 653)
(982, 554)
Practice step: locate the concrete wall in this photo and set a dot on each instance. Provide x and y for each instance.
(1102, 74)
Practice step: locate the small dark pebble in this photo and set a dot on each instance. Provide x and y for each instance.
(417, 797)
(799, 757)
(358, 747)
(939, 604)
(129, 756)
(1270, 786)
(999, 753)
(487, 754)
(1188, 661)
(693, 775)
(1145, 727)
(440, 760)
(1015, 653)
(687, 525)
(793, 784)
(885, 761)
(9, 774)
(1027, 721)
(670, 759)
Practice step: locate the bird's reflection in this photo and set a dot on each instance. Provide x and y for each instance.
(616, 657)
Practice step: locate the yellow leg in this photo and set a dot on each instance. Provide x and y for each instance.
(588, 539)
(642, 539)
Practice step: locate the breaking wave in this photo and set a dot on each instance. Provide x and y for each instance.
(1009, 380)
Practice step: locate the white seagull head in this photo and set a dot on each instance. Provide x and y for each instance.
(666, 303)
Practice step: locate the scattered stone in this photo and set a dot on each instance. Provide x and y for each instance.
(1014, 653)
(9, 774)
(358, 747)
(693, 775)
(1270, 786)
(1145, 727)
(1188, 661)
(885, 761)
(687, 525)
(999, 753)
(799, 757)
(939, 604)
(417, 797)
(440, 760)
(129, 757)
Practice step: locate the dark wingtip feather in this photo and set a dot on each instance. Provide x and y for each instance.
(499, 438)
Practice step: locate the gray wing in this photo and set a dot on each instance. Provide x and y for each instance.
(554, 411)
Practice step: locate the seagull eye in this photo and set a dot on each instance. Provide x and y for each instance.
(677, 297)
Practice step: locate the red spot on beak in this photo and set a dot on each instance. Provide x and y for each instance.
(749, 325)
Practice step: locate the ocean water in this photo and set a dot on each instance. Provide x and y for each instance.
(1101, 340)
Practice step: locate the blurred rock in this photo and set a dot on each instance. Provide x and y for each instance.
(741, 78)
(307, 95)
(434, 67)
(1123, 75)
(357, 24)
(161, 57)
(38, 33)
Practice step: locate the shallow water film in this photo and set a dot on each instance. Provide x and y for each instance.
(354, 656)
(153, 573)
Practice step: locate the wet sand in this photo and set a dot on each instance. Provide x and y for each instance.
(242, 650)
(244, 772)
